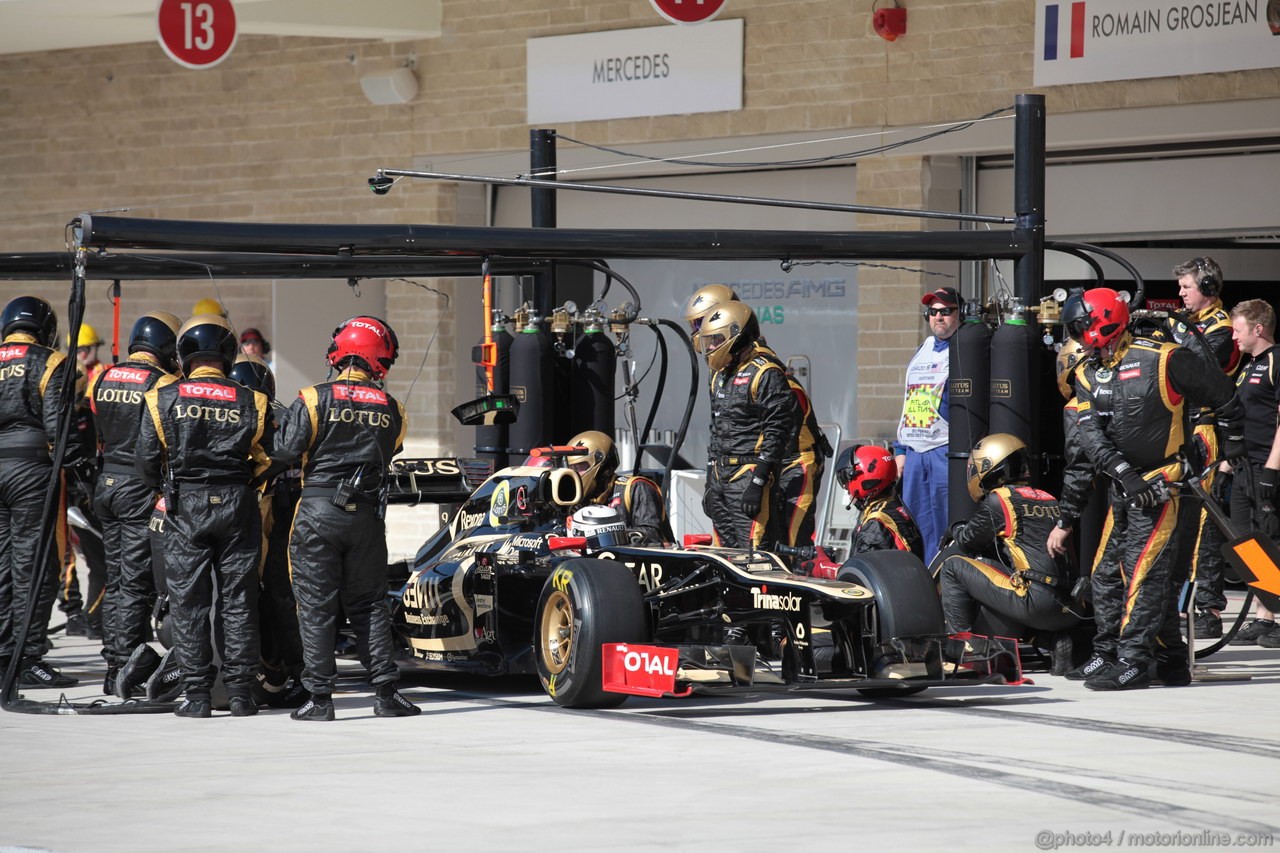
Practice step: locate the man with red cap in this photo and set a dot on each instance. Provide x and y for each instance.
(923, 430)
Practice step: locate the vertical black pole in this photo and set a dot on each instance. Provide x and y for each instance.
(1028, 195)
(542, 164)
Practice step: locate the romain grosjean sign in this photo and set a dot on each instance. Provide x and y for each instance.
(688, 11)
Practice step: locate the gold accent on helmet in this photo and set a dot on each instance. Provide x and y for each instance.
(241, 358)
(208, 305)
(1071, 354)
(173, 321)
(699, 305)
(987, 456)
(720, 331)
(595, 466)
(202, 320)
(88, 337)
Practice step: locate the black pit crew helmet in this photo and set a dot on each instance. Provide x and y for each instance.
(252, 372)
(157, 333)
(32, 315)
(207, 336)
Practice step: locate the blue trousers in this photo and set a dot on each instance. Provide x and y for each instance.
(924, 491)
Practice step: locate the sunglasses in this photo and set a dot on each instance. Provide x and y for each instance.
(935, 312)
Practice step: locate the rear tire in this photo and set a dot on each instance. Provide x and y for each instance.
(907, 603)
(584, 604)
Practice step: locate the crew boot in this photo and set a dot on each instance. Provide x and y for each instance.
(36, 674)
(318, 707)
(76, 625)
(1096, 663)
(243, 706)
(197, 707)
(392, 703)
(1122, 675)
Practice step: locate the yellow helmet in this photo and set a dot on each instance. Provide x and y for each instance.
(997, 459)
(596, 465)
(208, 306)
(699, 305)
(724, 332)
(88, 337)
(1069, 357)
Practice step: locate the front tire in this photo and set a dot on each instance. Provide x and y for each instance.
(907, 603)
(584, 604)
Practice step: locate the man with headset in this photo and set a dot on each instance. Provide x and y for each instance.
(1200, 288)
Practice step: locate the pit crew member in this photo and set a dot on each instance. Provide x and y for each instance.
(869, 474)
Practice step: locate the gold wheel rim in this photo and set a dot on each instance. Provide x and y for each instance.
(556, 647)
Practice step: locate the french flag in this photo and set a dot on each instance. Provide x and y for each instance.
(1052, 31)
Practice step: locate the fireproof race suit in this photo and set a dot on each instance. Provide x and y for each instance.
(1258, 387)
(754, 416)
(639, 500)
(278, 609)
(800, 473)
(213, 434)
(1133, 423)
(344, 433)
(1006, 581)
(885, 525)
(1205, 543)
(124, 502)
(31, 378)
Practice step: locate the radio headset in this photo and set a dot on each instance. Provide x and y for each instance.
(1209, 284)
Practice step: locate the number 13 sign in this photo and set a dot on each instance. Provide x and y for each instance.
(196, 33)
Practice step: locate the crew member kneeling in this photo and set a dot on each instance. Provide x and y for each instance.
(345, 432)
(1005, 582)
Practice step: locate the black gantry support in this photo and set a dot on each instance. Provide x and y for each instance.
(1028, 195)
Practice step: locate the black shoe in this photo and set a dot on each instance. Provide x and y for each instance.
(196, 708)
(243, 706)
(393, 704)
(1271, 639)
(76, 626)
(1174, 672)
(293, 696)
(1121, 675)
(1060, 657)
(132, 680)
(165, 684)
(109, 681)
(315, 709)
(1094, 665)
(36, 674)
(1208, 625)
(93, 630)
(1249, 633)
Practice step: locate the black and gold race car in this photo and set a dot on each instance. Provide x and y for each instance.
(504, 588)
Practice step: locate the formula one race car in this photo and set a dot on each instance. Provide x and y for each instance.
(513, 585)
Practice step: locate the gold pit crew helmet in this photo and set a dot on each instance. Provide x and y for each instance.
(997, 459)
(1069, 357)
(699, 305)
(727, 329)
(597, 463)
(208, 306)
(88, 337)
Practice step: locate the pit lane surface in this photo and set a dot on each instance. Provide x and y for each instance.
(492, 764)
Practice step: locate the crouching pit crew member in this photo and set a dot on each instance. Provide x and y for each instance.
(870, 475)
(203, 439)
(754, 416)
(1134, 397)
(31, 377)
(637, 499)
(123, 501)
(1005, 581)
(344, 433)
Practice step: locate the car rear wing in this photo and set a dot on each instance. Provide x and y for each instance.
(445, 480)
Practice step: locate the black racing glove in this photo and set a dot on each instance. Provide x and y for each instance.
(1266, 483)
(753, 495)
(1138, 492)
(1231, 439)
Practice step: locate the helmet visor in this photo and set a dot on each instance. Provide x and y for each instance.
(709, 343)
(1078, 326)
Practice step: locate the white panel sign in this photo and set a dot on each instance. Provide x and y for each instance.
(1087, 41)
(652, 71)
